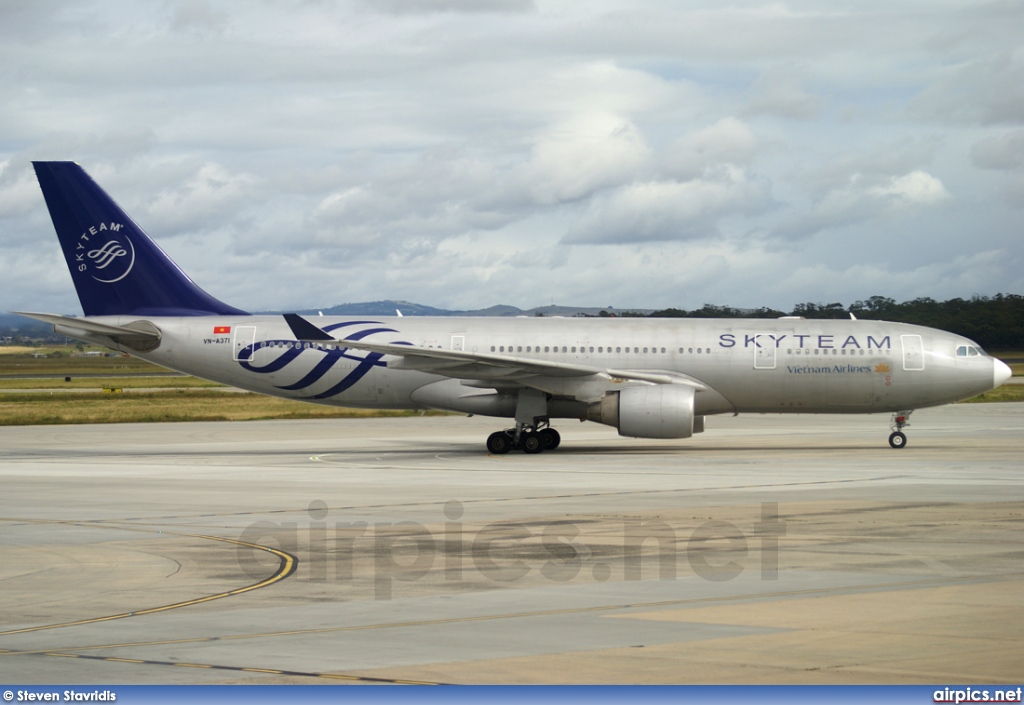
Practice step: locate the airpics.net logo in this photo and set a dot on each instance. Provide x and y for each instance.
(105, 253)
(385, 558)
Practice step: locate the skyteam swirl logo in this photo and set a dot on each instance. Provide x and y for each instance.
(320, 360)
(105, 253)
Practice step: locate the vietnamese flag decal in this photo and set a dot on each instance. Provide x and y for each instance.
(221, 330)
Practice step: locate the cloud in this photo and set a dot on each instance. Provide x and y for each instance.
(18, 189)
(862, 199)
(903, 281)
(1000, 152)
(778, 92)
(670, 210)
(399, 7)
(198, 17)
(915, 188)
(442, 193)
(208, 193)
(473, 153)
(985, 91)
(577, 157)
(728, 141)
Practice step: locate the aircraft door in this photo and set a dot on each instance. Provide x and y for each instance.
(458, 342)
(764, 351)
(913, 352)
(245, 343)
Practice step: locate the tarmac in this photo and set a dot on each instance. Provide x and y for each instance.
(770, 549)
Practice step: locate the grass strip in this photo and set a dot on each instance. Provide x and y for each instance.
(176, 405)
(176, 382)
(1008, 392)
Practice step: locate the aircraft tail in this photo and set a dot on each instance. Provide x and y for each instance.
(117, 269)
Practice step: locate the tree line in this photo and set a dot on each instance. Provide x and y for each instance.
(994, 322)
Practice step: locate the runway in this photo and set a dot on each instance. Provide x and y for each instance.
(770, 549)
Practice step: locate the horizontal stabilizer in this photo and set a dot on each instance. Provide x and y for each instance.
(88, 326)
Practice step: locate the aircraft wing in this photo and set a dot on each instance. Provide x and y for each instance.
(461, 364)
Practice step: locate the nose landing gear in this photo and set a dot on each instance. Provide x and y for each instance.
(898, 439)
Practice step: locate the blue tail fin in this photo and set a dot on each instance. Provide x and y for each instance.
(116, 267)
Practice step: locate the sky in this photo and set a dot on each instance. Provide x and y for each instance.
(468, 153)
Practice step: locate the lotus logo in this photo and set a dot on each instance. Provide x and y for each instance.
(882, 367)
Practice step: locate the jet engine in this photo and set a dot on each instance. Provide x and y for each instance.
(649, 411)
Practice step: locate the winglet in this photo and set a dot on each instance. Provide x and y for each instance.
(304, 330)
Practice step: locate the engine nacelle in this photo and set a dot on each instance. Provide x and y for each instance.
(650, 411)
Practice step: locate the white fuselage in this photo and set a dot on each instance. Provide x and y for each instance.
(738, 365)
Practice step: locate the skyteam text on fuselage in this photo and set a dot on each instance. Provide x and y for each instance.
(649, 378)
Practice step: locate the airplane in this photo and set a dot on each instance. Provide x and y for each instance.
(648, 378)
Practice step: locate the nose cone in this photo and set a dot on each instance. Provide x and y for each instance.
(1000, 372)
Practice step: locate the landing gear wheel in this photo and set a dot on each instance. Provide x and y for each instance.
(532, 442)
(897, 439)
(551, 438)
(499, 443)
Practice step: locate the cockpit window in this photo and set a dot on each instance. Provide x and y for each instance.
(967, 351)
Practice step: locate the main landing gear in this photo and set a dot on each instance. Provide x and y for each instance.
(532, 432)
(898, 439)
(528, 439)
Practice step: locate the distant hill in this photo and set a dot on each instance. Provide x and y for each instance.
(996, 322)
(19, 325)
(388, 308)
(15, 326)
